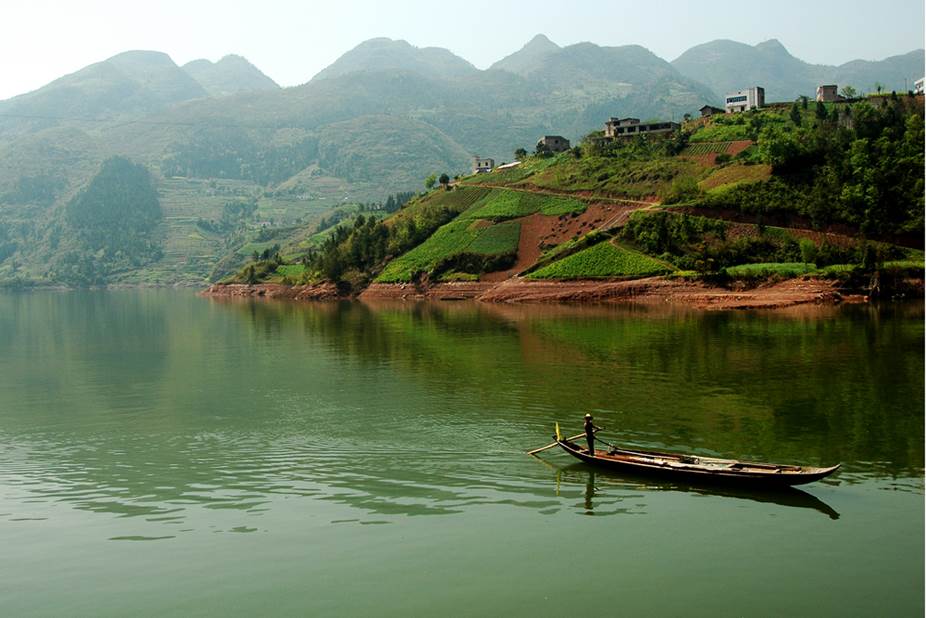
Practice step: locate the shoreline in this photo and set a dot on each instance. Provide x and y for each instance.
(650, 290)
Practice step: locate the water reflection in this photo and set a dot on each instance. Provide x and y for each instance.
(395, 411)
(599, 483)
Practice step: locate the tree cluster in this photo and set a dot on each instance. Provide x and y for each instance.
(358, 250)
(109, 226)
(857, 164)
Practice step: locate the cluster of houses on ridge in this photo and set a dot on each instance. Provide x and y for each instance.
(617, 128)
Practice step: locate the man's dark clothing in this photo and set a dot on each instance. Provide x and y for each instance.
(590, 435)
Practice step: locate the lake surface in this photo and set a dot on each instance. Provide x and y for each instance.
(165, 454)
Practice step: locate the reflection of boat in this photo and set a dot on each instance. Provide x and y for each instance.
(697, 469)
(783, 496)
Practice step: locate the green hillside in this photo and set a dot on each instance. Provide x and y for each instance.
(822, 190)
(109, 226)
(384, 116)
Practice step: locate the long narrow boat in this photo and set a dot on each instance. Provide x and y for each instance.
(695, 468)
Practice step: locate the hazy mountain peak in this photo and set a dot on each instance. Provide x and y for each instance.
(530, 57)
(230, 75)
(384, 54)
(541, 41)
(140, 58)
(773, 46)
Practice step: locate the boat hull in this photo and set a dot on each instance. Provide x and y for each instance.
(693, 469)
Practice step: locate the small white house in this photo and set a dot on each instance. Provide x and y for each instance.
(482, 165)
(742, 100)
(918, 86)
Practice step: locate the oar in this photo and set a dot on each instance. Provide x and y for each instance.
(551, 445)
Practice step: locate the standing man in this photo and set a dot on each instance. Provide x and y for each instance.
(590, 429)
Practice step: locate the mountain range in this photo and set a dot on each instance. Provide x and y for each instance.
(721, 65)
(377, 120)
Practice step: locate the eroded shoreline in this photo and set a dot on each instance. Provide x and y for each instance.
(651, 290)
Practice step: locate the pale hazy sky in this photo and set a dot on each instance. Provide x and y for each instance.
(290, 41)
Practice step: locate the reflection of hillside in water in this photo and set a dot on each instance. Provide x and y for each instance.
(425, 409)
(806, 385)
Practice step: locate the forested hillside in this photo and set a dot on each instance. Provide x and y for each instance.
(109, 226)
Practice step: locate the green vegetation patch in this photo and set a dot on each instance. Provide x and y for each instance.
(904, 265)
(720, 132)
(496, 239)
(627, 175)
(457, 238)
(731, 175)
(290, 270)
(768, 269)
(704, 148)
(601, 261)
(457, 276)
(447, 240)
(506, 204)
(252, 247)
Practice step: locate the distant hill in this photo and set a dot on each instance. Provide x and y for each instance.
(725, 66)
(384, 54)
(894, 73)
(135, 82)
(230, 75)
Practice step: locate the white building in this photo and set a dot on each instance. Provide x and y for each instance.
(482, 165)
(918, 86)
(742, 100)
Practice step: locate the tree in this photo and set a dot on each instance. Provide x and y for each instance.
(795, 114)
(804, 101)
(520, 154)
(430, 181)
(879, 87)
(849, 92)
(820, 111)
(444, 181)
(808, 251)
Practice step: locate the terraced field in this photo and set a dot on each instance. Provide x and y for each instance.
(504, 204)
(704, 148)
(601, 261)
(458, 237)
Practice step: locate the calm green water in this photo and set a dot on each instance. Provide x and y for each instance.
(162, 453)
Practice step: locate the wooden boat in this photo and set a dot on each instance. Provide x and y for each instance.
(694, 468)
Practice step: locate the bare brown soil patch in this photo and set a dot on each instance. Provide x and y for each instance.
(738, 146)
(540, 232)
